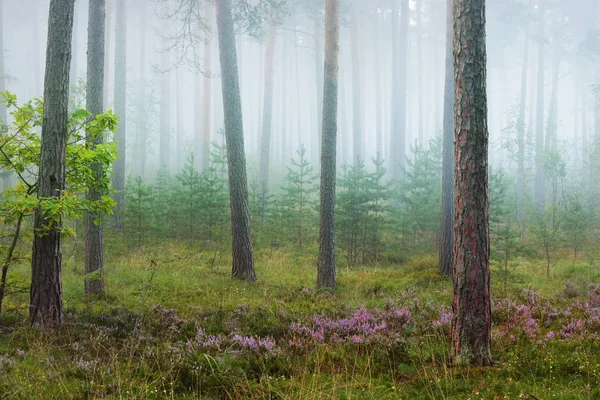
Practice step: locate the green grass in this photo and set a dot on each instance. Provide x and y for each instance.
(131, 354)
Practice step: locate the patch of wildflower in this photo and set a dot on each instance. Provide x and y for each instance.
(6, 363)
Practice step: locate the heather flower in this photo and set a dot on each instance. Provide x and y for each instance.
(6, 363)
(86, 366)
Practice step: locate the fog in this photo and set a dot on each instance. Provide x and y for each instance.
(167, 69)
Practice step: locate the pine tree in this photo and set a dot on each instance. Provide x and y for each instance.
(298, 196)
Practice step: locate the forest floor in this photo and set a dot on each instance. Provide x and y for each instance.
(175, 325)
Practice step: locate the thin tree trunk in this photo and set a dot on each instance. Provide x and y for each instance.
(447, 213)
(357, 152)
(267, 116)
(243, 261)
(552, 121)
(318, 33)
(45, 307)
(378, 90)
(142, 125)
(94, 256)
(521, 126)
(164, 149)
(120, 103)
(180, 153)
(107, 49)
(420, 70)
(399, 66)
(9, 254)
(540, 176)
(471, 305)
(326, 263)
(207, 86)
(73, 67)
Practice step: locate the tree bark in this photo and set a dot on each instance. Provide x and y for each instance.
(207, 88)
(447, 212)
(399, 66)
(472, 320)
(326, 263)
(120, 103)
(540, 176)
(45, 307)
(521, 125)
(164, 149)
(94, 257)
(318, 33)
(357, 151)
(243, 261)
(107, 50)
(267, 116)
(552, 121)
(378, 89)
(420, 70)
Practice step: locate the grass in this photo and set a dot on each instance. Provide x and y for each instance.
(125, 347)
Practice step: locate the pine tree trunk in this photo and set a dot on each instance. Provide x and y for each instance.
(552, 121)
(107, 49)
(45, 307)
(142, 123)
(180, 153)
(94, 257)
(357, 152)
(399, 66)
(420, 70)
(243, 261)
(207, 87)
(74, 45)
(164, 149)
(326, 263)
(472, 321)
(3, 115)
(120, 103)
(318, 34)
(447, 212)
(540, 176)
(378, 90)
(267, 116)
(521, 126)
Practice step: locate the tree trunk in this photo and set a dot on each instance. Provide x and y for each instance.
(326, 263)
(267, 116)
(94, 257)
(107, 49)
(142, 123)
(447, 212)
(3, 115)
(378, 90)
(540, 176)
(45, 307)
(164, 149)
(318, 33)
(521, 125)
(399, 66)
(420, 70)
(74, 41)
(243, 261)
(357, 152)
(180, 152)
(120, 103)
(552, 121)
(207, 88)
(472, 321)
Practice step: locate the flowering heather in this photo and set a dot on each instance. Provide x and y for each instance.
(361, 327)
(254, 344)
(6, 363)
